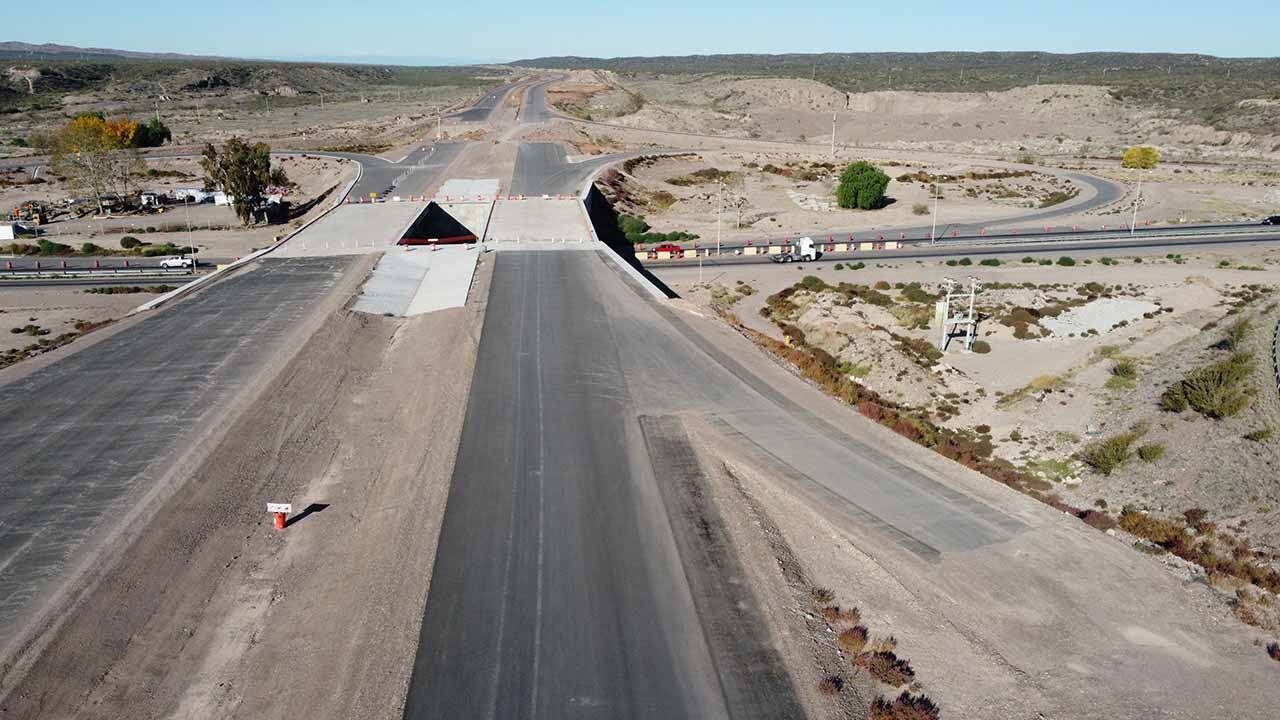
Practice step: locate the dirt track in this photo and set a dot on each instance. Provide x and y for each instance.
(212, 613)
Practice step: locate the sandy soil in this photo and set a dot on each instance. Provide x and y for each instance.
(213, 613)
(217, 232)
(1051, 120)
(58, 310)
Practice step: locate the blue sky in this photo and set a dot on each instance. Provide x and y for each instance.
(505, 31)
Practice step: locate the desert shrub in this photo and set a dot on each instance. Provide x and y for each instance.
(1150, 452)
(1157, 530)
(1065, 261)
(48, 247)
(964, 261)
(1212, 390)
(90, 248)
(920, 209)
(1125, 370)
(813, 283)
(822, 595)
(853, 640)
(1044, 261)
(1236, 334)
(1098, 519)
(916, 294)
(1273, 651)
(1259, 435)
(1028, 260)
(882, 285)
(831, 685)
(905, 707)
(890, 669)
(1107, 454)
(129, 242)
(856, 266)
(839, 266)
(990, 262)
(982, 347)
(1109, 261)
(982, 429)
(831, 613)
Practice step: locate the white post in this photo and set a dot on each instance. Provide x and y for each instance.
(933, 233)
(186, 207)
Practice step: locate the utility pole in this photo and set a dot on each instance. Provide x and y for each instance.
(439, 121)
(1133, 224)
(322, 101)
(833, 133)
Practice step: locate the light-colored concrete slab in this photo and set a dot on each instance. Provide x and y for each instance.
(353, 229)
(468, 189)
(536, 222)
(408, 282)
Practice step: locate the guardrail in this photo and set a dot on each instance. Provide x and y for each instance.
(879, 241)
(1275, 354)
(81, 273)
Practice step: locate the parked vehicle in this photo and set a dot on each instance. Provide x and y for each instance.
(178, 262)
(803, 249)
(1273, 220)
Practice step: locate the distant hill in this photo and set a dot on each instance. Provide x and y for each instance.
(1208, 89)
(50, 51)
(38, 77)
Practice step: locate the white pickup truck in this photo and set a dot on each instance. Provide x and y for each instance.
(178, 262)
(804, 249)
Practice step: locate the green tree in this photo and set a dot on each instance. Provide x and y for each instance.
(152, 134)
(1140, 156)
(862, 185)
(242, 171)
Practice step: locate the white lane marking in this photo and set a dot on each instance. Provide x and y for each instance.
(537, 622)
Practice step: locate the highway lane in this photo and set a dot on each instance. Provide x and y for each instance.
(544, 168)
(557, 589)
(556, 592)
(85, 438)
(484, 107)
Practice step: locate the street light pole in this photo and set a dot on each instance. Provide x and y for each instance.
(186, 209)
(933, 233)
(719, 211)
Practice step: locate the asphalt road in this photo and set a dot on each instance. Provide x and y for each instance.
(84, 438)
(484, 107)
(924, 251)
(558, 590)
(543, 169)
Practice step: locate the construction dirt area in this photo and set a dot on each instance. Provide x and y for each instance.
(1137, 391)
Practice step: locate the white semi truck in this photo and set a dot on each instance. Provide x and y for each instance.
(803, 249)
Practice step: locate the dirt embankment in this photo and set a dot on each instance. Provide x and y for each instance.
(212, 613)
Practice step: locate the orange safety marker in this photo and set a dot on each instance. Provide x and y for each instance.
(281, 511)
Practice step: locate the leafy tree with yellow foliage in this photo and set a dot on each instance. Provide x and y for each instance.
(1140, 156)
(97, 155)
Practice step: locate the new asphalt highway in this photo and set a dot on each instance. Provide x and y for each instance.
(83, 440)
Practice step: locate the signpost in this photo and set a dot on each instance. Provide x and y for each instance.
(281, 511)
